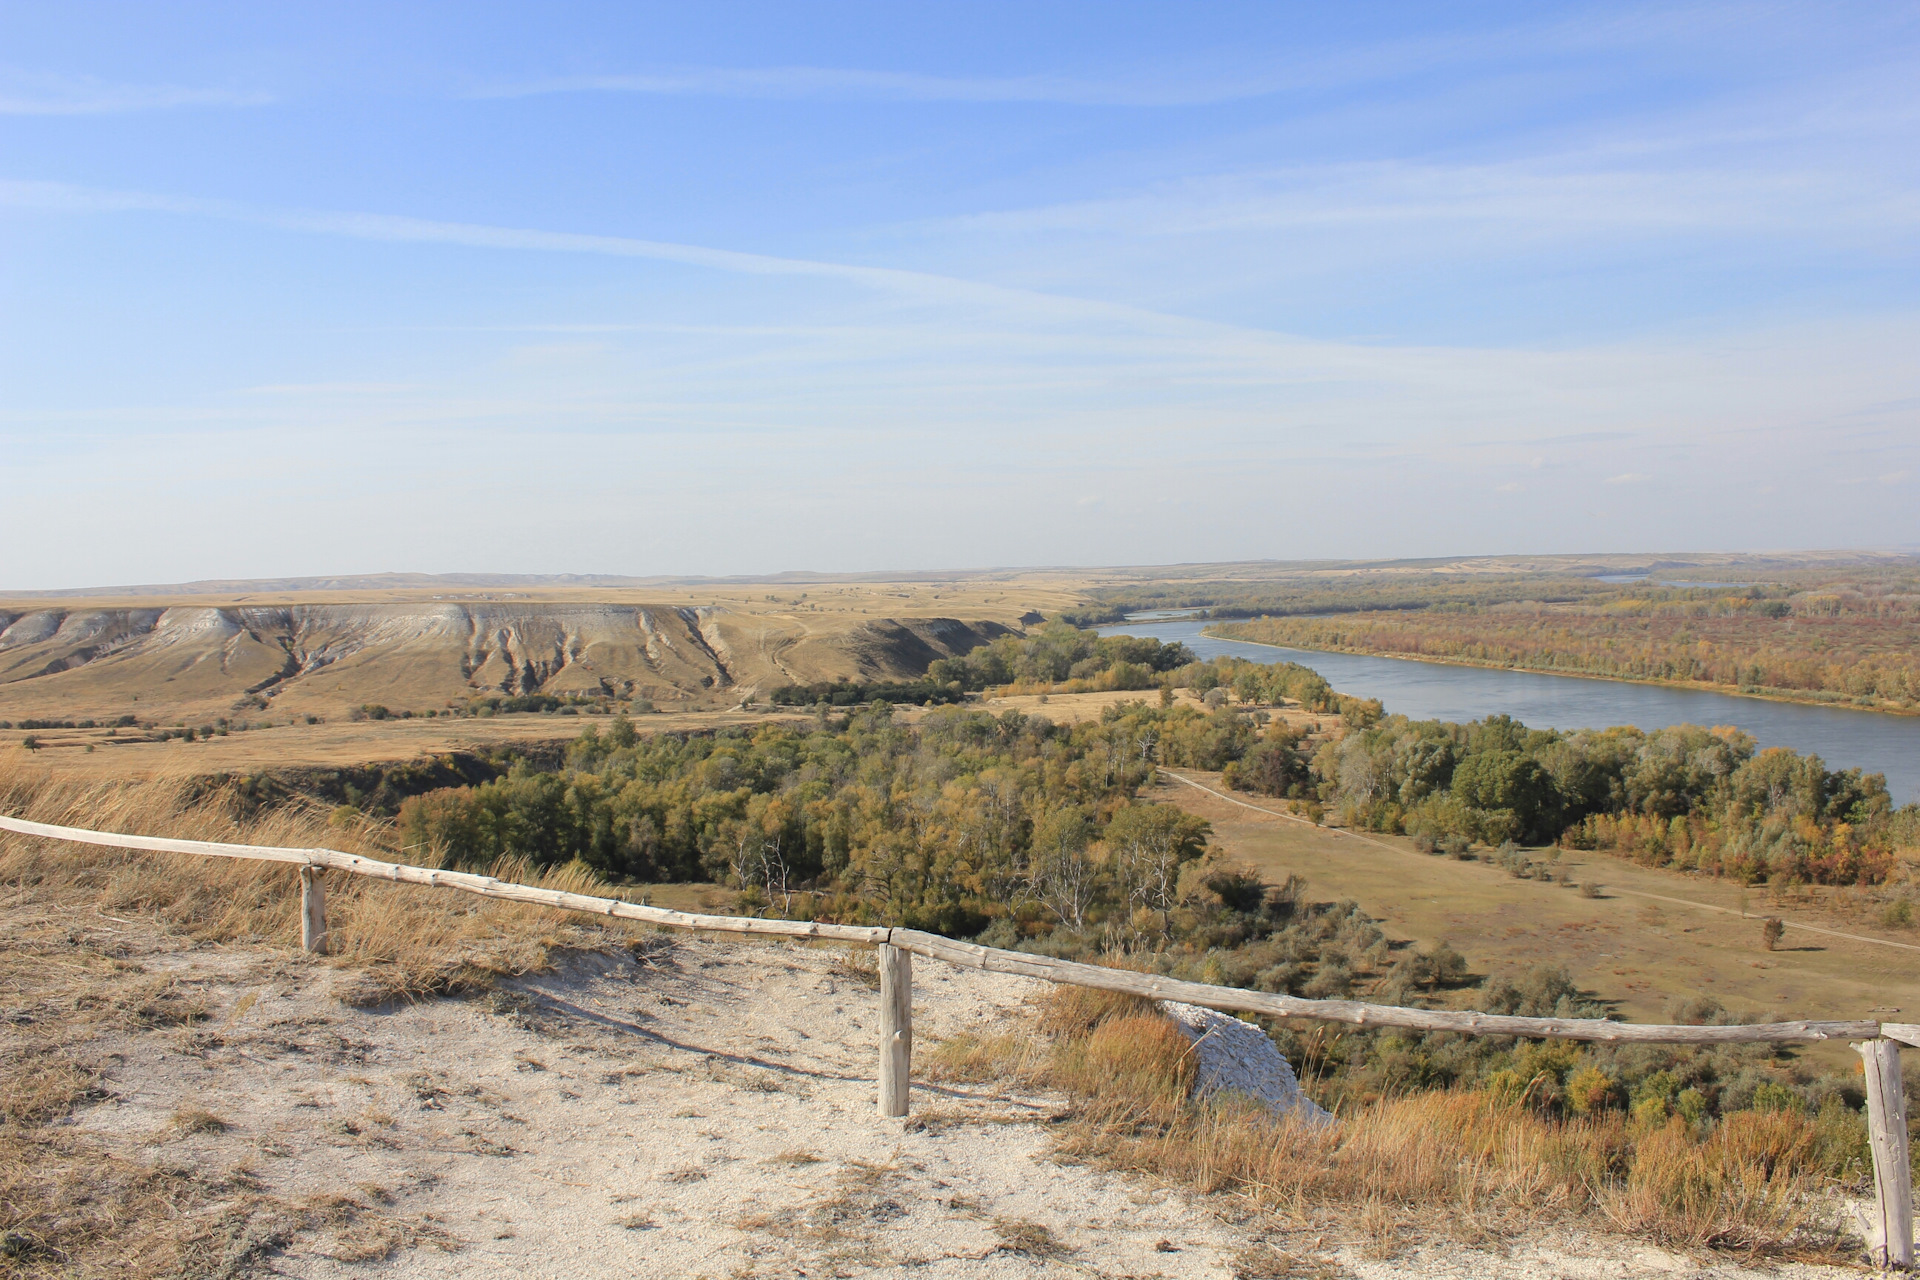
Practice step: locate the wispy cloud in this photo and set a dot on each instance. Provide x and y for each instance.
(882, 86)
(1546, 195)
(980, 358)
(66, 197)
(23, 94)
(1158, 86)
(919, 285)
(1116, 87)
(325, 388)
(1227, 76)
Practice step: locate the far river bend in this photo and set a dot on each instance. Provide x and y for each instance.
(1874, 741)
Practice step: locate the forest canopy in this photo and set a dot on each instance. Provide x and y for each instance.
(963, 820)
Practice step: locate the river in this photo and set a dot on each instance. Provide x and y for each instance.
(1874, 741)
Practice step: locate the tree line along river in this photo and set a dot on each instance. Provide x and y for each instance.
(1873, 741)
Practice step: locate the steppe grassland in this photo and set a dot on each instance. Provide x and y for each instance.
(1016, 591)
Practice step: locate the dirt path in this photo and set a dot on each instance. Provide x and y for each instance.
(1333, 832)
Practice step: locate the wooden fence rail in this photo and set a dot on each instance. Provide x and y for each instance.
(1879, 1047)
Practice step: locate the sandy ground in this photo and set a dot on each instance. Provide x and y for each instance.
(691, 1108)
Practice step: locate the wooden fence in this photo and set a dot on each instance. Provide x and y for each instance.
(1877, 1043)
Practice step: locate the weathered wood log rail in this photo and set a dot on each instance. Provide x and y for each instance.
(1879, 1043)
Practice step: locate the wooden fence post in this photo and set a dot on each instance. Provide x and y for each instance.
(313, 910)
(1892, 1175)
(896, 1028)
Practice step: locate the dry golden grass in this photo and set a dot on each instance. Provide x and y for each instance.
(1078, 708)
(197, 1120)
(73, 1210)
(1028, 1239)
(1261, 1261)
(334, 744)
(398, 940)
(857, 964)
(70, 1207)
(972, 1059)
(1474, 1165)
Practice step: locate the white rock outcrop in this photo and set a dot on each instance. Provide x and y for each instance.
(1236, 1057)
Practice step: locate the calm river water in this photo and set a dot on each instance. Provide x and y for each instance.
(1873, 741)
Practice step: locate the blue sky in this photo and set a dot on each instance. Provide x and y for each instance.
(732, 289)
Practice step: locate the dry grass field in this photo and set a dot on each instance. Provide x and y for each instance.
(300, 662)
(1074, 708)
(1645, 943)
(135, 972)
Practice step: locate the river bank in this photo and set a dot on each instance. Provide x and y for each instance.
(1838, 702)
(1843, 737)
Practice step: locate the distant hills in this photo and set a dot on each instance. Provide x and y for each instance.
(271, 661)
(326, 645)
(429, 582)
(1235, 570)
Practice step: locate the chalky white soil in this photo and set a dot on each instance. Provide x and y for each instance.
(704, 1109)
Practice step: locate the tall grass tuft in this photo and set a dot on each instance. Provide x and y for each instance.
(400, 940)
(1466, 1162)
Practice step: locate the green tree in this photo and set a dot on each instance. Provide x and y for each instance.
(1148, 845)
(1511, 782)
